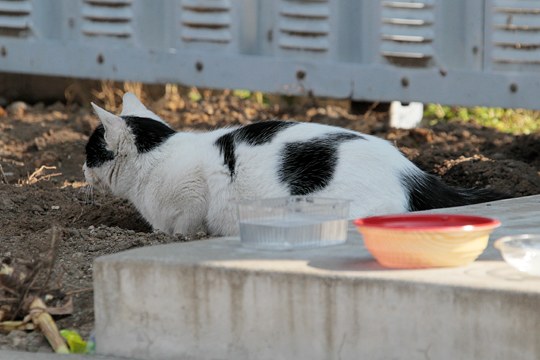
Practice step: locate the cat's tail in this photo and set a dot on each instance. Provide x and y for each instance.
(427, 191)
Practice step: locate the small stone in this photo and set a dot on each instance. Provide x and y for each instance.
(57, 106)
(6, 204)
(16, 337)
(37, 208)
(17, 108)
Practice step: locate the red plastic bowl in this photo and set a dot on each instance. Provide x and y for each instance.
(425, 240)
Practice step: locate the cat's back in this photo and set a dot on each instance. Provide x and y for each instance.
(282, 158)
(279, 140)
(286, 152)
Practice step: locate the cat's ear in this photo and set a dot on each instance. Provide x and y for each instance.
(113, 124)
(132, 106)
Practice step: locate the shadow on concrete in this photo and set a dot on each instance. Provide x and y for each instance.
(347, 264)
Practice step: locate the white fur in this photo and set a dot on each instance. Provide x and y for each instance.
(183, 186)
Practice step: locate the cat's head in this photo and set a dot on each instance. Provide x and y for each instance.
(114, 148)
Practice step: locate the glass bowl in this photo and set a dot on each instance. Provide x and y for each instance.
(521, 251)
(425, 240)
(293, 222)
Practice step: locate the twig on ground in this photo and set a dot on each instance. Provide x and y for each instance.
(43, 320)
(3, 175)
(370, 110)
(50, 258)
(40, 175)
(79, 291)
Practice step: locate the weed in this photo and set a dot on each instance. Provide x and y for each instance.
(514, 121)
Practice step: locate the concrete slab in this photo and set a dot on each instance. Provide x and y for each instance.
(216, 300)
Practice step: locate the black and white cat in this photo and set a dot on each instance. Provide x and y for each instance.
(185, 182)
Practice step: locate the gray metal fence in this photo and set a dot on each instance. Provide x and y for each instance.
(469, 52)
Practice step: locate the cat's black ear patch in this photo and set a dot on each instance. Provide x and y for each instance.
(96, 149)
(149, 133)
(309, 166)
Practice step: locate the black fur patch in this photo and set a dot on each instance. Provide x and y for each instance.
(226, 147)
(253, 134)
(344, 136)
(309, 166)
(427, 191)
(96, 149)
(149, 133)
(261, 132)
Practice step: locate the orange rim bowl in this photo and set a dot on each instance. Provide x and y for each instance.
(425, 240)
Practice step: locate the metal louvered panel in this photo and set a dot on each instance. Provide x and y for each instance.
(207, 21)
(15, 17)
(108, 18)
(303, 25)
(516, 32)
(407, 32)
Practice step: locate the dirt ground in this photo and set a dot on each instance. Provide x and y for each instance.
(31, 200)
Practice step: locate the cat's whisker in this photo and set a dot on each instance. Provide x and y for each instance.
(89, 194)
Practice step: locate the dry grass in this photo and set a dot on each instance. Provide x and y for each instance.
(109, 95)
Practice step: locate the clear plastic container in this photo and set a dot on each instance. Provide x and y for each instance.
(522, 252)
(294, 222)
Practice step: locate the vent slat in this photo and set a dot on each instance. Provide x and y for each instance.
(17, 7)
(293, 42)
(109, 2)
(15, 18)
(420, 50)
(408, 4)
(523, 22)
(407, 32)
(516, 32)
(418, 31)
(105, 13)
(206, 21)
(520, 39)
(513, 56)
(117, 30)
(305, 9)
(14, 22)
(107, 18)
(206, 35)
(304, 26)
(206, 5)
